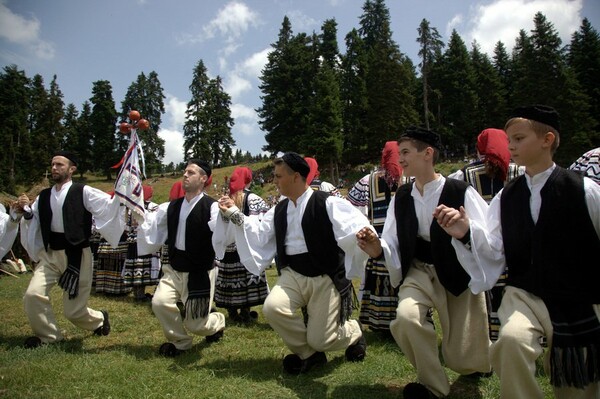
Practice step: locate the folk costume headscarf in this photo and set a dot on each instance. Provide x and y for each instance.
(492, 144)
(314, 169)
(240, 178)
(390, 162)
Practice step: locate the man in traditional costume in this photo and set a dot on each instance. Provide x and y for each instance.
(314, 237)
(55, 231)
(421, 259)
(186, 225)
(545, 227)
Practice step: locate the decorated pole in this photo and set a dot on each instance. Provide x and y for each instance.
(128, 186)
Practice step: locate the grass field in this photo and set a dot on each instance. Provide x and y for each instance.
(247, 363)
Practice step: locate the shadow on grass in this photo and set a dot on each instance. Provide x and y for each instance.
(378, 391)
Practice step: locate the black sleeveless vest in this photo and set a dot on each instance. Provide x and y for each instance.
(77, 220)
(326, 257)
(556, 258)
(451, 274)
(199, 253)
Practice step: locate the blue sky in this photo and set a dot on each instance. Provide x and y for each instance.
(82, 41)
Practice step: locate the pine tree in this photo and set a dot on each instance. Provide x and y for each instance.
(584, 60)
(355, 104)
(41, 128)
(14, 111)
(431, 48)
(195, 145)
(503, 66)
(287, 91)
(69, 123)
(146, 96)
(218, 129)
(542, 76)
(390, 79)
(491, 107)
(103, 121)
(454, 77)
(84, 144)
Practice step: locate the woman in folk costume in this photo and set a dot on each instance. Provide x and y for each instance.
(372, 195)
(490, 173)
(589, 164)
(141, 271)
(237, 290)
(315, 183)
(488, 176)
(108, 265)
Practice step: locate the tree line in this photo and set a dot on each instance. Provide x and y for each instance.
(343, 107)
(337, 107)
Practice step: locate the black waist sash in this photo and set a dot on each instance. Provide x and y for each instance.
(69, 280)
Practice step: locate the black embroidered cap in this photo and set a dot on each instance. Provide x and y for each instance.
(202, 165)
(297, 163)
(67, 154)
(426, 136)
(539, 113)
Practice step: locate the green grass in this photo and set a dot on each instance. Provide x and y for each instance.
(245, 364)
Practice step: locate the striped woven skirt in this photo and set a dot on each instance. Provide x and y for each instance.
(379, 299)
(109, 269)
(236, 287)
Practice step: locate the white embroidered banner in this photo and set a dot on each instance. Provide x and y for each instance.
(128, 185)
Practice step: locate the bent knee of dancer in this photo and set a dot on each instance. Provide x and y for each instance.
(273, 310)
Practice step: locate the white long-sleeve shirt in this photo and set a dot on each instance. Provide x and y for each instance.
(488, 261)
(256, 242)
(8, 233)
(425, 204)
(152, 234)
(109, 217)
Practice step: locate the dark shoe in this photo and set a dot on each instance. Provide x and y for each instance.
(246, 316)
(292, 364)
(169, 350)
(254, 314)
(32, 342)
(414, 390)
(357, 351)
(477, 375)
(104, 329)
(233, 314)
(216, 337)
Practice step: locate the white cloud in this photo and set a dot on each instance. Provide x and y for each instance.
(243, 112)
(248, 129)
(254, 64)
(173, 134)
(231, 22)
(236, 85)
(454, 22)
(302, 22)
(175, 112)
(501, 20)
(238, 81)
(173, 146)
(19, 30)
